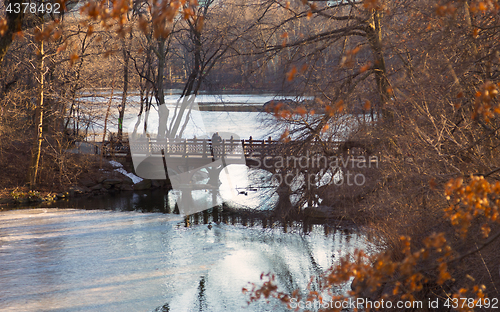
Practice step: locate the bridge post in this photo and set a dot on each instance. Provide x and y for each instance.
(214, 198)
(204, 148)
(149, 145)
(205, 217)
(269, 147)
(215, 214)
(263, 151)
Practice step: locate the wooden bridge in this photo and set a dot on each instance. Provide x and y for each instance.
(204, 148)
(182, 155)
(196, 164)
(156, 158)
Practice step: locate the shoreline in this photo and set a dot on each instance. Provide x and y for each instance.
(325, 215)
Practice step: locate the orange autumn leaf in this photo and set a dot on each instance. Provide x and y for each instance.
(90, 30)
(278, 107)
(291, 74)
(373, 5)
(475, 32)
(3, 26)
(339, 106)
(329, 110)
(485, 229)
(285, 136)
(301, 111)
(367, 105)
(61, 48)
(432, 183)
(73, 58)
(285, 113)
(365, 67)
(188, 12)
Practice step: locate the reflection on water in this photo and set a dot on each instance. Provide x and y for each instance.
(95, 260)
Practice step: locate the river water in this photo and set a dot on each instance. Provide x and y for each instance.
(54, 259)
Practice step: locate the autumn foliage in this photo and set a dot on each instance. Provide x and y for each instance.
(419, 268)
(436, 210)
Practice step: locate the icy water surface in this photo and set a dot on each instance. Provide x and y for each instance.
(95, 260)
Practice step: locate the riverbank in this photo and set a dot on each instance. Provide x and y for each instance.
(99, 177)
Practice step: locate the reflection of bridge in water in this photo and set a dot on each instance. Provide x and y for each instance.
(268, 219)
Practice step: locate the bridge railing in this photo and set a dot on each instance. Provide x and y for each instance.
(206, 148)
(187, 147)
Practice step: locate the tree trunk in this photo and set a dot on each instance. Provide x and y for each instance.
(107, 113)
(160, 96)
(36, 150)
(121, 109)
(192, 85)
(383, 87)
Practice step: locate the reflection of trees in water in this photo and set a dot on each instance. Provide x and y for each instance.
(286, 276)
(290, 254)
(163, 308)
(202, 300)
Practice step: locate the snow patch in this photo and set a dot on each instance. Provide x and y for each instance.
(132, 176)
(120, 169)
(115, 164)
